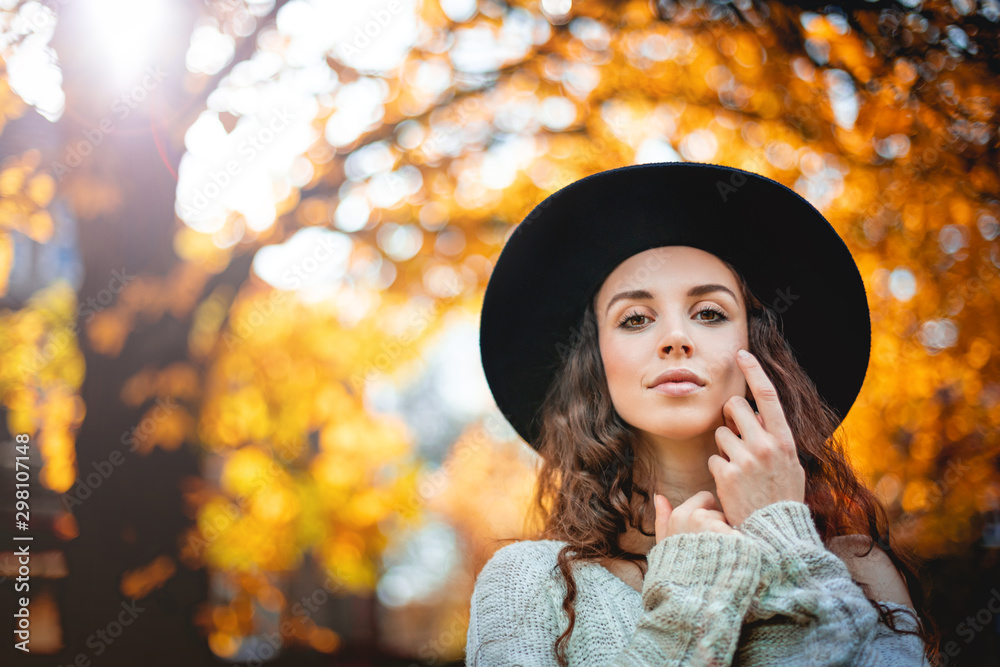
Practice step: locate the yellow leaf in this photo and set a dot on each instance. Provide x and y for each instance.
(140, 582)
(11, 181)
(166, 428)
(40, 189)
(107, 332)
(40, 227)
(11, 213)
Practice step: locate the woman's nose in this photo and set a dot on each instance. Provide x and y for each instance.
(674, 340)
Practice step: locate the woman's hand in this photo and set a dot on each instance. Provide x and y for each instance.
(694, 515)
(761, 465)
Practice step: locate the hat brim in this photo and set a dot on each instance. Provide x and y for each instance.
(556, 259)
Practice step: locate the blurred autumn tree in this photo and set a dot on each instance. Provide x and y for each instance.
(305, 191)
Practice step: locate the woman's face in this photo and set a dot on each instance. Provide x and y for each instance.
(657, 311)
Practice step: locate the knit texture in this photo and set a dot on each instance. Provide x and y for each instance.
(772, 595)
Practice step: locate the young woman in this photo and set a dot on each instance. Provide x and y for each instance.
(697, 506)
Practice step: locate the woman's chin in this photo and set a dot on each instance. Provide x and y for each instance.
(689, 431)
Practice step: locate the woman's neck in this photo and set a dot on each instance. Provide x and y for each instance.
(681, 468)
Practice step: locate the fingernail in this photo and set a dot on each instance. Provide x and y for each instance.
(743, 354)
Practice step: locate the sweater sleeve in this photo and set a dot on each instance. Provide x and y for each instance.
(696, 591)
(813, 613)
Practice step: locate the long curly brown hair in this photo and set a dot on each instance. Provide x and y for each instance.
(591, 458)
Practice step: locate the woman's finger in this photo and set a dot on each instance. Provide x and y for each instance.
(703, 498)
(716, 514)
(662, 510)
(760, 420)
(748, 427)
(731, 448)
(730, 423)
(765, 396)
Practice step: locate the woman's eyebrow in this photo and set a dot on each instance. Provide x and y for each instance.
(697, 290)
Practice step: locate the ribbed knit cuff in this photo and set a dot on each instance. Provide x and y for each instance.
(709, 560)
(785, 525)
(695, 594)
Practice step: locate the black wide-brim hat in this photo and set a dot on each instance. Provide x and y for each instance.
(557, 258)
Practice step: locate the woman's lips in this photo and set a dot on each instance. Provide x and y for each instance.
(676, 388)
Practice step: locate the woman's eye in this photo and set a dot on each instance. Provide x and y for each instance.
(719, 315)
(630, 317)
(634, 320)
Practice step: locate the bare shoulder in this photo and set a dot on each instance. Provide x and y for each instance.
(874, 569)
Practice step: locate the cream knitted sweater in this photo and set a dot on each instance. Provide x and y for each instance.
(773, 595)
